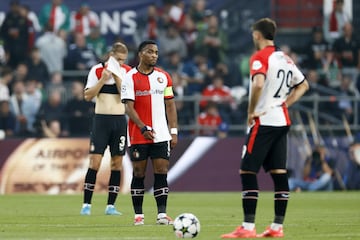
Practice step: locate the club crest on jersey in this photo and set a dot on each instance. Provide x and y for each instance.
(160, 80)
(123, 89)
(256, 65)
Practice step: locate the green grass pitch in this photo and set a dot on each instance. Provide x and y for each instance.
(321, 215)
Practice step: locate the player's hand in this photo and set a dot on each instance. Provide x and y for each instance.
(105, 75)
(149, 135)
(252, 117)
(174, 140)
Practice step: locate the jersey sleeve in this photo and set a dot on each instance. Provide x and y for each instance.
(298, 76)
(258, 65)
(127, 88)
(91, 78)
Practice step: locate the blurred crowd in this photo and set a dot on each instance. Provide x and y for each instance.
(37, 99)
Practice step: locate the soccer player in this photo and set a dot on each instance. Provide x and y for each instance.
(276, 83)
(148, 96)
(109, 127)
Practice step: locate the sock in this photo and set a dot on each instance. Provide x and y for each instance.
(137, 193)
(248, 226)
(89, 185)
(161, 191)
(249, 196)
(275, 226)
(281, 196)
(114, 186)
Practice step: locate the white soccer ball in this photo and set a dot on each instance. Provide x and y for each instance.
(186, 225)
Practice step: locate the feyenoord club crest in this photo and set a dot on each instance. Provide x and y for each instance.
(160, 80)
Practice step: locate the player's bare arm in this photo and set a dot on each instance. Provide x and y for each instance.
(134, 116)
(297, 93)
(90, 93)
(171, 115)
(256, 89)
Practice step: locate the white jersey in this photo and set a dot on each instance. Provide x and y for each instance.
(95, 75)
(148, 93)
(281, 75)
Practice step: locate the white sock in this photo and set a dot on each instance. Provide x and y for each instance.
(86, 205)
(109, 205)
(275, 226)
(248, 226)
(139, 215)
(161, 215)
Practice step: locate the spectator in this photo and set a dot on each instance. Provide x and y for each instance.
(318, 56)
(317, 173)
(209, 120)
(183, 107)
(31, 105)
(78, 111)
(220, 94)
(346, 50)
(84, 20)
(151, 23)
(15, 33)
(37, 68)
(52, 109)
(7, 120)
(212, 42)
(345, 105)
(51, 129)
(97, 43)
(195, 71)
(197, 13)
(18, 100)
(352, 174)
(24, 12)
(335, 21)
(80, 56)
(55, 16)
(189, 34)
(177, 14)
(52, 50)
(5, 79)
(171, 41)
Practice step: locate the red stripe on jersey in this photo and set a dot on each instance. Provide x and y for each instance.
(254, 132)
(126, 67)
(259, 61)
(142, 106)
(286, 114)
(98, 72)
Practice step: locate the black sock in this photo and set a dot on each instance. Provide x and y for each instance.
(250, 194)
(281, 196)
(89, 185)
(114, 186)
(137, 193)
(161, 191)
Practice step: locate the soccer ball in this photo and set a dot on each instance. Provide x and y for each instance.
(186, 225)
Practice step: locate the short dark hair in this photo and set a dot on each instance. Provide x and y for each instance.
(266, 26)
(145, 43)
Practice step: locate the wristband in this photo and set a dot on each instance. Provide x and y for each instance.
(145, 128)
(174, 131)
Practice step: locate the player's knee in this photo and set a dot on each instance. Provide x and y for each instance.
(138, 172)
(161, 170)
(116, 163)
(95, 163)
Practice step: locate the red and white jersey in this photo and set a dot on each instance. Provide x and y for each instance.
(96, 71)
(148, 93)
(281, 75)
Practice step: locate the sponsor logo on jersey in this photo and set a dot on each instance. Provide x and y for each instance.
(149, 92)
